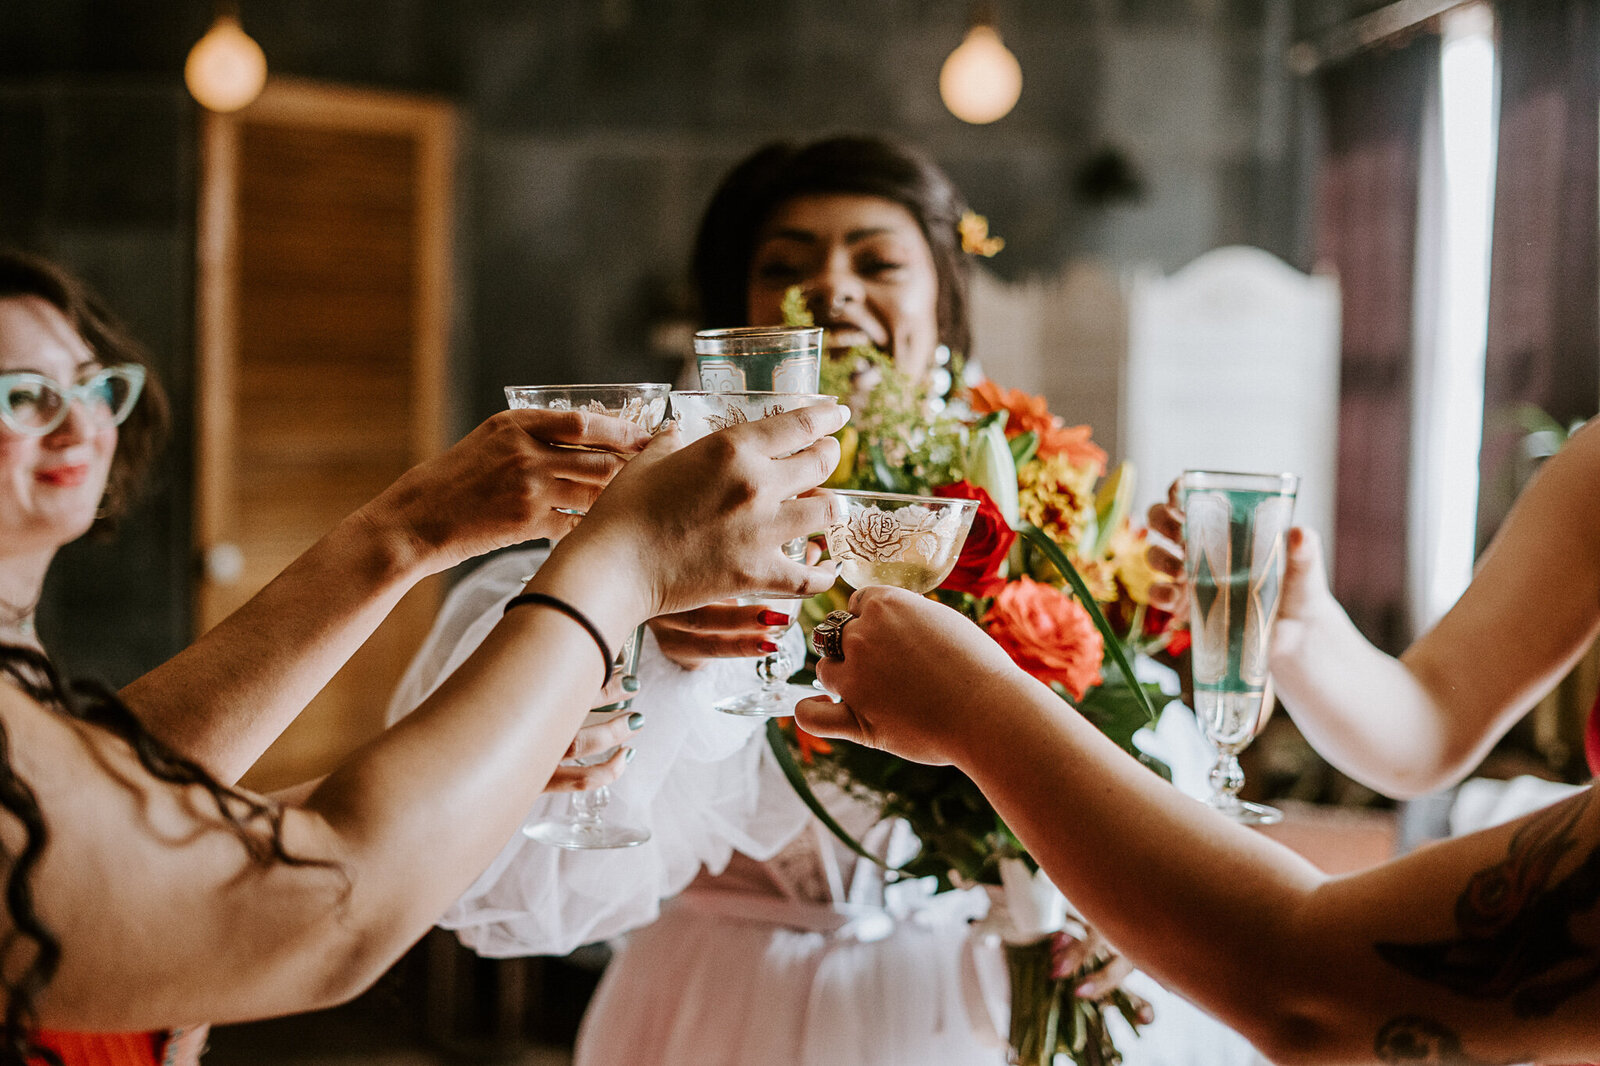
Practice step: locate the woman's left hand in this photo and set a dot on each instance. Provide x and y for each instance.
(912, 673)
(576, 772)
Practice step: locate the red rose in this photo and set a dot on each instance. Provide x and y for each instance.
(1047, 633)
(988, 542)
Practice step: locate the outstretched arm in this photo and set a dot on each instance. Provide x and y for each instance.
(1411, 725)
(1483, 948)
(162, 917)
(230, 694)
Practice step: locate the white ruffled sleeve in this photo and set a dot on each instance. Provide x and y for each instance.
(702, 782)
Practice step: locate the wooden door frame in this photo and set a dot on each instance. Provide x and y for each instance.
(432, 123)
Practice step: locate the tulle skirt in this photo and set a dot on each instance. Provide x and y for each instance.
(702, 987)
(742, 981)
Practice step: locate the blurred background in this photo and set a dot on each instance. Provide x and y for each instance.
(1364, 229)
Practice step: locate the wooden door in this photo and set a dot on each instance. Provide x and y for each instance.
(324, 238)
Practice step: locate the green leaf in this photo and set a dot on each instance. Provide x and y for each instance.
(1023, 447)
(797, 780)
(795, 311)
(888, 478)
(1052, 551)
(1117, 711)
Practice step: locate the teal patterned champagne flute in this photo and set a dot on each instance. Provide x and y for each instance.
(1236, 529)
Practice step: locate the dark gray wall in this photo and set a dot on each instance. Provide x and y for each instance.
(594, 131)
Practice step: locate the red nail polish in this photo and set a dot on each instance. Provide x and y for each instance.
(767, 647)
(772, 618)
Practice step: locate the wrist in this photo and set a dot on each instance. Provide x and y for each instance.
(602, 579)
(383, 550)
(999, 706)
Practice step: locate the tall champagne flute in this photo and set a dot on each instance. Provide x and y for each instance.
(702, 413)
(584, 826)
(1235, 534)
(890, 538)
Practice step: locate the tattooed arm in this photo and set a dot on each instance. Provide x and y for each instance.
(1484, 948)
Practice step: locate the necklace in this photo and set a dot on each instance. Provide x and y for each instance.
(18, 617)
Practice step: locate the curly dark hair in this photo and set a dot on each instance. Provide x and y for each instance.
(140, 437)
(255, 822)
(871, 166)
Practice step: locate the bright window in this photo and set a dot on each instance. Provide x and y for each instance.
(1449, 379)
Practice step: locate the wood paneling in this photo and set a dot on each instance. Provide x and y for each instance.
(324, 242)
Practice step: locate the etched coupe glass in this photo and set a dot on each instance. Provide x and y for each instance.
(889, 538)
(759, 359)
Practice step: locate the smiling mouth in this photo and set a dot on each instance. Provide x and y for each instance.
(845, 337)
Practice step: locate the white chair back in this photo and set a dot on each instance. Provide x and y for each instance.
(1233, 364)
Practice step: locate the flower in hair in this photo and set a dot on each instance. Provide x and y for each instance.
(975, 239)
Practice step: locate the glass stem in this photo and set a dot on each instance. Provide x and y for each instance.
(774, 670)
(1227, 778)
(589, 807)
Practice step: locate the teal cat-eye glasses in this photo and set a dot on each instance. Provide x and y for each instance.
(34, 405)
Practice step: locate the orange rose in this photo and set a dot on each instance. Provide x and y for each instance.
(1030, 414)
(1047, 633)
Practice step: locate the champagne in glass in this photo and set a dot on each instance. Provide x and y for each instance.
(702, 413)
(1236, 529)
(889, 538)
(584, 825)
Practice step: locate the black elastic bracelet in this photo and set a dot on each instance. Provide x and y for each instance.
(546, 600)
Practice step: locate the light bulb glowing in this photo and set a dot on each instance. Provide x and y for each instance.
(226, 69)
(981, 80)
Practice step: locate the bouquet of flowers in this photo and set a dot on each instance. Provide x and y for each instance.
(1054, 572)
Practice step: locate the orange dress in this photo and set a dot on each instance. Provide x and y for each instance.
(180, 1047)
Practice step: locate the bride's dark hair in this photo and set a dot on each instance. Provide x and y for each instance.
(256, 823)
(868, 165)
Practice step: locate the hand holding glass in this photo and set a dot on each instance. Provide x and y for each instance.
(584, 825)
(1235, 536)
(702, 413)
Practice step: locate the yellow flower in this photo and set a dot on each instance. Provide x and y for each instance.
(849, 440)
(1058, 497)
(1128, 561)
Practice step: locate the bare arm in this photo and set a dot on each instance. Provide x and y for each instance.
(1410, 725)
(229, 695)
(162, 918)
(1482, 948)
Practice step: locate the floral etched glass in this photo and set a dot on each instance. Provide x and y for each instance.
(644, 404)
(1235, 535)
(889, 538)
(701, 413)
(584, 826)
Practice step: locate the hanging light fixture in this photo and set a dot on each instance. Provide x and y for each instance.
(226, 69)
(981, 80)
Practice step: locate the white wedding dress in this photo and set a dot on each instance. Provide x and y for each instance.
(744, 932)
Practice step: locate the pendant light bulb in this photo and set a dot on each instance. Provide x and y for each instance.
(226, 69)
(981, 80)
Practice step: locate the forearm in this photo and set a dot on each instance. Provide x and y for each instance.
(1143, 862)
(225, 698)
(481, 749)
(1366, 712)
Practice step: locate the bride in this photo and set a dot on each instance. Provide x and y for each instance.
(751, 935)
